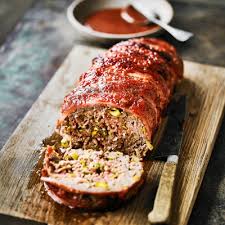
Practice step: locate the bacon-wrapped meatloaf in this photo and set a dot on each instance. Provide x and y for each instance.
(116, 107)
(119, 100)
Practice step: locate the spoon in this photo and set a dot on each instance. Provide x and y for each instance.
(178, 34)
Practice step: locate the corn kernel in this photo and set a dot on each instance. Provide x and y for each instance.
(101, 184)
(115, 112)
(74, 155)
(64, 143)
(149, 145)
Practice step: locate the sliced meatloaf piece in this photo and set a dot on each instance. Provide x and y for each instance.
(106, 129)
(90, 179)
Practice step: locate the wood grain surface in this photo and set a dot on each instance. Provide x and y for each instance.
(22, 194)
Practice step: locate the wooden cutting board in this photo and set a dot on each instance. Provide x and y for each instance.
(22, 194)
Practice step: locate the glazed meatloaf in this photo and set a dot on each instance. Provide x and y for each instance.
(119, 101)
(115, 109)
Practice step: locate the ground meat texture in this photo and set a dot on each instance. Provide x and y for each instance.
(107, 129)
(79, 176)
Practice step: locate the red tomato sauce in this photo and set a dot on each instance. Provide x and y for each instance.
(111, 21)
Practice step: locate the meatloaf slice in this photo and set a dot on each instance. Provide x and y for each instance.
(90, 179)
(105, 128)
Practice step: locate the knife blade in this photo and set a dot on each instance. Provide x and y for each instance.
(171, 140)
(169, 147)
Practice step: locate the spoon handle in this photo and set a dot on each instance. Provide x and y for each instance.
(179, 34)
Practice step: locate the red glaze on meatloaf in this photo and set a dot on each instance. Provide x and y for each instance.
(135, 76)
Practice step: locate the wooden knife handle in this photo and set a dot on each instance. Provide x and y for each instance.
(163, 200)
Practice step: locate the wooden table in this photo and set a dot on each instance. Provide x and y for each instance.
(36, 39)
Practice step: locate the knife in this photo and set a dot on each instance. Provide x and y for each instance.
(169, 147)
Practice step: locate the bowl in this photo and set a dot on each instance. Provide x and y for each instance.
(79, 10)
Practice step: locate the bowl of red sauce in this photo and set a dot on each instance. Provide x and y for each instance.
(114, 20)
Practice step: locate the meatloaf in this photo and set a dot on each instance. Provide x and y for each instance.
(119, 101)
(90, 179)
(115, 109)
